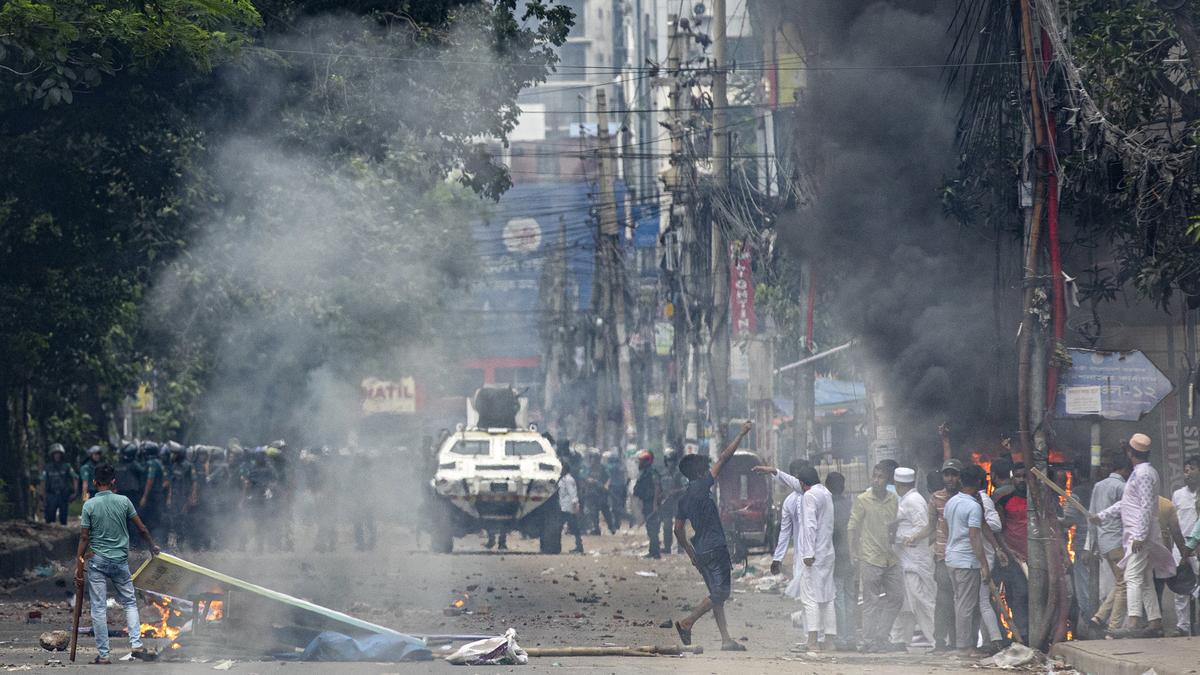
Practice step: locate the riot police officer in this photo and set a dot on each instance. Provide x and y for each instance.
(222, 494)
(673, 485)
(198, 534)
(282, 497)
(87, 472)
(181, 491)
(618, 485)
(58, 485)
(153, 502)
(131, 477)
(259, 488)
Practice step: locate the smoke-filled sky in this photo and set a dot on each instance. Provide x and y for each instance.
(912, 285)
(336, 250)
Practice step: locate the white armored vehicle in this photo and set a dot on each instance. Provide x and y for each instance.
(496, 476)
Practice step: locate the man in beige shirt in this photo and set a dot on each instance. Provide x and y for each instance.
(871, 520)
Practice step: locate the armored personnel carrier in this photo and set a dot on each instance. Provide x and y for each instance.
(496, 476)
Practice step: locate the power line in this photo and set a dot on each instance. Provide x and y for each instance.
(618, 70)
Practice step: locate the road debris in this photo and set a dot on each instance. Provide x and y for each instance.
(55, 640)
(496, 651)
(645, 650)
(644, 573)
(1015, 655)
(224, 665)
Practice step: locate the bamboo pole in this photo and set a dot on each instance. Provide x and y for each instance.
(644, 650)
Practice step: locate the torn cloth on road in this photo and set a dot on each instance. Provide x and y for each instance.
(333, 646)
(497, 651)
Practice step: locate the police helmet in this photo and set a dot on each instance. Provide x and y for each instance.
(57, 447)
(129, 452)
(174, 448)
(200, 452)
(670, 455)
(149, 449)
(95, 450)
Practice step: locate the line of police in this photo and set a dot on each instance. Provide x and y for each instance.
(604, 488)
(209, 497)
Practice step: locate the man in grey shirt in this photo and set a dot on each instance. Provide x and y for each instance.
(1104, 540)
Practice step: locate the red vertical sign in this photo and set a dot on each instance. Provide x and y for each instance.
(741, 292)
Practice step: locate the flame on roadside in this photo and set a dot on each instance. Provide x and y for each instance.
(1062, 502)
(1005, 614)
(984, 462)
(215, 611)
(163, 627)
(461, 602)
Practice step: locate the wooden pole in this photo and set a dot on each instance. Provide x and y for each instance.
(78, 608)
(643, 650)
(1063, 493)
(1003, 605)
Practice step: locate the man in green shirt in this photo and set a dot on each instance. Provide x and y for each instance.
(872, 519)
(104, 554)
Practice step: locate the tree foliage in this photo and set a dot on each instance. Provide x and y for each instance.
(144, 142)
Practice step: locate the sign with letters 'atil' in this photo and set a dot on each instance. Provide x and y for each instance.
(1113, 385)
(384, 396)
(741, 292)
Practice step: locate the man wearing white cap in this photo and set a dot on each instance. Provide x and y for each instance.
(916, 560)
(1144, 552)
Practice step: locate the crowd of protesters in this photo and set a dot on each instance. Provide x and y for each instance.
(952, 567)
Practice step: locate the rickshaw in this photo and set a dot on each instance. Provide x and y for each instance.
(747, 506)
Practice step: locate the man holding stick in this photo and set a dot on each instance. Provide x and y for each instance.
(707, 549)
(104, 552)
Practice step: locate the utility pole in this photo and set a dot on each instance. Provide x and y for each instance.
(558, 305)
(718, 351)
(681, 183)
(613, 269)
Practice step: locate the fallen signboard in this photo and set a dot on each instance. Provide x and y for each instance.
(168, 575)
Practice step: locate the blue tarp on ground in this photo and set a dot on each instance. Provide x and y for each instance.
(334, 646)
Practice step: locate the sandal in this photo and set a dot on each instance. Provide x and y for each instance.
(732, 646)
(685, 634)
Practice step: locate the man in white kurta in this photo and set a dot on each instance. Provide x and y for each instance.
(1141, 537)
(916, 561)
(791, 517)
(816, 556)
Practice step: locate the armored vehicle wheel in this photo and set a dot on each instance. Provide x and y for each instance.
(443, 540)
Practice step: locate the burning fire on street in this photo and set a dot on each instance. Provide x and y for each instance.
(162, 626)
(168, 620)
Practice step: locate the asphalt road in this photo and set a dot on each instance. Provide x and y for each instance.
(594, 599)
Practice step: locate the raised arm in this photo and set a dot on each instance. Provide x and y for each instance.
(731, 448)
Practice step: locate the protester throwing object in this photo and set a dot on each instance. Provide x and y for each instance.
(707, 549)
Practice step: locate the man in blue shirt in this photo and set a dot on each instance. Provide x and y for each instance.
(707, 549)
(965, 557)
(104, 553)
